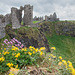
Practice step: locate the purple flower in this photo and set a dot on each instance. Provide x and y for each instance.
(2, 44)
(8, 42)
(21, 46)
(6, 39)
(11, 42)
(19, 42)
(18, 45)
(13, 38)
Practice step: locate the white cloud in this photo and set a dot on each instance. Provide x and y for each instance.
(65, 9)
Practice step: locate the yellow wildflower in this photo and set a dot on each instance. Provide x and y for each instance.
(42, 48)
(22, 49)
(60, 57)
(31, 47)
(6, 53)
(2, 59)
(14, 48)
(41, 53)
(17, 55)
(25, 49)
(4, 48)
(53, 48)
(73, 71)
(29, 53)
(54, 56)
(0, 53)
(33, 52)
(64, 63)
(51, 55)
(10, 65)
(14, 71)
(36, 49)
(16, 66)
(59, 63)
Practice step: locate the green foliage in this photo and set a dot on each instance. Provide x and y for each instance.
(20, 57)
(65, 46)
(35, 22)
(22, 23)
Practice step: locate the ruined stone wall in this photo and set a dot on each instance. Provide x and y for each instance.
(65, 28)
(15, 18)
(7, 19)
(2, 26)
(59, 28)
(28, 15)
(51, 17)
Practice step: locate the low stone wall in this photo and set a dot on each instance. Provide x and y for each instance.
(65, 28)
(60, 28)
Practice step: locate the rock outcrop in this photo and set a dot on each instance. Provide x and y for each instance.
(29, 37)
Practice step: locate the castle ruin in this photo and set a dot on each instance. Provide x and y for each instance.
(51, 17)
(15, 18)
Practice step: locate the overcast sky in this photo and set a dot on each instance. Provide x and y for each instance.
(65, 9)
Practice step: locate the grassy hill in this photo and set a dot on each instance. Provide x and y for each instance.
(65, 46)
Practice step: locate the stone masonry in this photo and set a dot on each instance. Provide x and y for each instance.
(7, 19)
(15, 18)
(2, 26)
(28, 15)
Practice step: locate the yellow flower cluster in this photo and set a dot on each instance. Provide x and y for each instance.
(17, 55)
(2, 59)
(70, 68)
(24, 49)
(53, 48)
(52, 56)
(60, 57)
(41, 53)
(13, 71)
(36, 50)
(29, 53)
(6, 53)
(14, 48)
(68, 65)
(10, 65)
(42, 48)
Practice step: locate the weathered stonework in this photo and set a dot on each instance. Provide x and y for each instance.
(15, 18)
(7, 19)
(51, 17)
(2, 26)
(28, 15)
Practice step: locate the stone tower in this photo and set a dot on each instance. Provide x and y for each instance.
(54, 15)
(15, 18)
(28, 15)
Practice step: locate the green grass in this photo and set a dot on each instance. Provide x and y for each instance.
(65, 46)
(35, 22)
